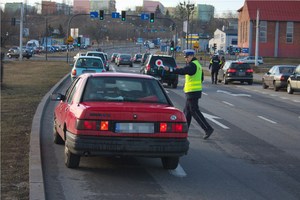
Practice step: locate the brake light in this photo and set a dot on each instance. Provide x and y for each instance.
(74, 72)
(282, 78)
(249, 70)
(104, 125)
(231, 70)
(89, 125)
(173, 127)
(92, 125)
(148, 67)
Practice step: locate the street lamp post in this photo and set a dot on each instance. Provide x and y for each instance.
(190, 10)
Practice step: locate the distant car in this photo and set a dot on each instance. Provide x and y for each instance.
(236, 71)
(124, 59)
(137, 58)
(251, 60)
(277, 76)
(293, 82)
(14, 52)
(100, 55)
(87, 64)
(119, 114)
(154, 67)
(144, 57)
(79, 54)
(113, 57)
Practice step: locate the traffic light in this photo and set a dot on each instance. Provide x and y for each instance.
(152, 17)
(13, 21)
(101, 14)
(123, 15)
(172, 46)
(79, 41)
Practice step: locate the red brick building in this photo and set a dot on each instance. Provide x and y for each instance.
(279, 27)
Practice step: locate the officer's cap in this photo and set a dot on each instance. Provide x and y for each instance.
(188, 52)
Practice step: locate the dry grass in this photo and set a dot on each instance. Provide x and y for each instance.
(24, 85)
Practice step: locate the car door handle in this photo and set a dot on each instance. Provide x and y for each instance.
(66, 109)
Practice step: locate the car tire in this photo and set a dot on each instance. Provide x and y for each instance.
(275, 87)
(170, 162)
(289, 89)
(250, 82)
(174, 85)
(71, 160)
(131, 65)
(57, 137)
(225, 81)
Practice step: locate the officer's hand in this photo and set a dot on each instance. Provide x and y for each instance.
(166, 68)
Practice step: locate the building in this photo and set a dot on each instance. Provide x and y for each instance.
(279, 28)
(80, 6)
(150, 6)
(204, 13)
(107, 5)
(48, 7)
(224, 39)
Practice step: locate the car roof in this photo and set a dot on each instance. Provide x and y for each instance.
(117, 74)
(162, 55)
(94, 52)
(92, 57)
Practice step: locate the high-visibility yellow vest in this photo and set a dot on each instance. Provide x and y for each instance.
(194, 83)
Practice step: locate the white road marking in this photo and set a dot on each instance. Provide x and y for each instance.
(235, 95)
(266, 119)
(227, 103)
(204, 93)
(284, 98)
(296, 101)
(212, 118)
(179, 172)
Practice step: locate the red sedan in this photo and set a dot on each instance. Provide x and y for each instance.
(119, 114)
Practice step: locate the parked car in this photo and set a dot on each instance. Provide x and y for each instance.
(137, 58)
(251, 59)
(87, 64)
(119, 114)
(153, 67)
(100, 55)
(236, 71)
(293, 82)
(14, 52)
(124, 59)
(277, 76)
(113, 57)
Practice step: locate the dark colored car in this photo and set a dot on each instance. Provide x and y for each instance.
(277, 76)
(236, 71)
(144, 57)
(154, 67)
(293, 82)
(124, 59)
(137, 58)
(119, 114)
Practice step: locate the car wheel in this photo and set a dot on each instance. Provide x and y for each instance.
(170, 162)
(264, 85)
(174, 85)
(131, 65)
(9, 56)
(57, 137)
(275, 87)
(250, 82)
(225, 81)
(71, 160)
(289, 89)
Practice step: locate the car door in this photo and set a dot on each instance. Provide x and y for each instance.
(270, 76)
(295, 78)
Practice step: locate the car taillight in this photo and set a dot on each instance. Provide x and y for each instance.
(92, 125)
(148, 67)
(173, 127)
(74, 72)
(282, 78)
(231, 70)
(249, 70)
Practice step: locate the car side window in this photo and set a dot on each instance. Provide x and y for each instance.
(71, 91)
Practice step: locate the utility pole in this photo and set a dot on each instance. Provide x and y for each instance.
(21, 32)
(257, 38)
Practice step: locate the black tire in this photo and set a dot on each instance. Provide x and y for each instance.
(250, 82)
(57, 137)
(71, 160)
(289, 89)
(174, 85)
(130, 65)
(275, 87)
(170, 162)
(225, 81)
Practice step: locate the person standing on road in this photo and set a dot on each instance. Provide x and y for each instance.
(215, 64)
(193, 90)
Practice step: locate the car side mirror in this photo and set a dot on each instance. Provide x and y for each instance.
(58, 97)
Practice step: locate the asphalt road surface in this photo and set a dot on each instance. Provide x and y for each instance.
(254, 153)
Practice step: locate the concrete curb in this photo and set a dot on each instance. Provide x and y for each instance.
(36, 179)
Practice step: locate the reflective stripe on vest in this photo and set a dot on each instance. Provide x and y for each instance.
(194, 83)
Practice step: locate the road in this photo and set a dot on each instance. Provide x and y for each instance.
(254, 153)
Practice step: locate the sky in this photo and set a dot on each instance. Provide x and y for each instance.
(221, 6)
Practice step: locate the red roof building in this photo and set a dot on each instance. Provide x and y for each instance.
(279, 27)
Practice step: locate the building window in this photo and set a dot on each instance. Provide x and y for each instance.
(263, 31)
(289, 32)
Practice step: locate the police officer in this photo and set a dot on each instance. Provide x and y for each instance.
(215, 64)
(193, 90)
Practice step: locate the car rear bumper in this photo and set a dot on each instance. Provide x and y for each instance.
(129, 146)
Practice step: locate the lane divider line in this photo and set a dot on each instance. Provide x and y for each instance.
(227, 103)
(268, 120)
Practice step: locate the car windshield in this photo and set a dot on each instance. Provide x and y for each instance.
(89, 63)
(124, 89)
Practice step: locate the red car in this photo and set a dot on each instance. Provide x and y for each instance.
(119, 114)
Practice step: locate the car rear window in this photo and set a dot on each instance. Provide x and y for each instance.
(101, 55)
(166, 61)
(124, 89)
(89, 63)
(286, 70)
(125, 56)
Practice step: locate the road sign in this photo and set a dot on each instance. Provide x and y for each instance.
(70, 39)
(94, 14)
(115, 15)
(196, 45)
(245, 50)
(144, 16)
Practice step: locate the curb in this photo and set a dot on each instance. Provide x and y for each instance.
(36, 179)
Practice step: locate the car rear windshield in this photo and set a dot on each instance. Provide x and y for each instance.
(286, 70)
(125, 56)
(157, 61)
(240, 65)
(89, 63)
(101, 55)
(124, 89)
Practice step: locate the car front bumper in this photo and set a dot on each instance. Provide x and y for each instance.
(126, 146)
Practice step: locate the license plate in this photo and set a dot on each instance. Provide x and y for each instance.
(134, 128)
(242, 73)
